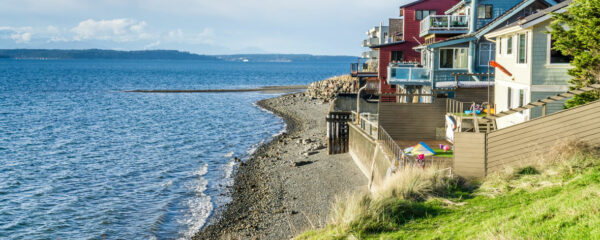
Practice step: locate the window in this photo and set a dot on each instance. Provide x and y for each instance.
(421, 14)
(486, 53)
(509, 98)
(500, 45)
(453, 58)
(396, 56)
(521, 97)
(509, 44)
(484, 11)
(555, 56)
(522, 48)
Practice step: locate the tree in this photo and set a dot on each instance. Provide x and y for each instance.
(576, 33)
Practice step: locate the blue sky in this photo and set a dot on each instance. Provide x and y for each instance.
(330, 27)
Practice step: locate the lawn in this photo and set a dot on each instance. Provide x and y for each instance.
(559, 201)
(442, 153)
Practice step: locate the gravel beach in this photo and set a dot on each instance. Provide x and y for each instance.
(288, 185)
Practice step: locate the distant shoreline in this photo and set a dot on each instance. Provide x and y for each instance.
(275, 89)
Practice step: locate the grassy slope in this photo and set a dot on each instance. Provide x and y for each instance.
(526, 206)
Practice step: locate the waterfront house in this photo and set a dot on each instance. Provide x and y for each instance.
(404, 36)
(455, 48)
(525, 51)
(365, 69)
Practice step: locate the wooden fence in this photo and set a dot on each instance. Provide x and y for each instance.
(520, 144)
(412, 121)
(338, 132)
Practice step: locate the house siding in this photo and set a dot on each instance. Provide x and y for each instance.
(543, 74)
(550, 108)
(412, 30)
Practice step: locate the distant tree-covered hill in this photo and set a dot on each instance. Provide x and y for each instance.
(285, 58)
(163, 54)
(100, 54)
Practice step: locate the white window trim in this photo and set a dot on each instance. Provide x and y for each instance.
(450, 69)
(491, 52)
(512, 45)
(549, 55)
(499, 45)
(526, 48)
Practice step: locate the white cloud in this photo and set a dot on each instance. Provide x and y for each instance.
(152, 45)
(207, 36)
(118, 30)
(17, 34)
(21, 37)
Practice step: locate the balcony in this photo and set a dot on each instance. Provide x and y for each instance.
(370, 55)
(408, 75)
(444, 24)
(363, 68)
(370, 42)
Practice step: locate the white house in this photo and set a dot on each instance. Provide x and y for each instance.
(524, 49)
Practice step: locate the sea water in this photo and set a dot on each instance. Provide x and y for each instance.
(82, 159)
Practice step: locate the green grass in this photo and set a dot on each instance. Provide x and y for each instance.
(441, 153)
(556, 198)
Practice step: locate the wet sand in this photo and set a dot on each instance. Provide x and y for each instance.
(288, 185)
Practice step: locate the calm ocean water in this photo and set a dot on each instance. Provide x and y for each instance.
(80, 159)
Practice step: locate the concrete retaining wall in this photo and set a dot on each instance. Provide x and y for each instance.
(369, 156)
(362, 149)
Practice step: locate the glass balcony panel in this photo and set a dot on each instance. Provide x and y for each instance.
(420, 74)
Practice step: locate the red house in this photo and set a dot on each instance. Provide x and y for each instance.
(405, 32)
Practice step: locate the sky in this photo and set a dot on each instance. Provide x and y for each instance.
(322, 27)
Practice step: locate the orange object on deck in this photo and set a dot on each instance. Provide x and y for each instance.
(500, 67)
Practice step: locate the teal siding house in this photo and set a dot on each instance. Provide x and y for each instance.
(445, 54)
(524, 49)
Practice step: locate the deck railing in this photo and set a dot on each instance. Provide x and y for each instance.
(398, 154)
(444, 22)
(368, 123)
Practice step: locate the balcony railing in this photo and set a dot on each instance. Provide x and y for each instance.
(444, 23)
(402, 75)
(368, 123)
(363, 66)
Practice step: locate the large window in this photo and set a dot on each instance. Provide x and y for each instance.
(453, 58)
(421, 14)
(396, 56)
(555, 56)
(522, 48)
(484, 11)
(509, 43)
(486, 53)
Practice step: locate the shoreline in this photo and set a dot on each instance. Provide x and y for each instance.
(287, 184)
(267, 89)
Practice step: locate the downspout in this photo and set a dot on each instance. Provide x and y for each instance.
(472, 28)
(358, 103)
(473, 16)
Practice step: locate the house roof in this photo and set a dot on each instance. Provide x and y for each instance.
(488, 27)
(538, 15)
(455, 7)
(412, 3)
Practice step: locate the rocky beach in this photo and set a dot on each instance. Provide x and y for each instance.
(288, 185)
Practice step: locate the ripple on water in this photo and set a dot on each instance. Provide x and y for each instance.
(81, 160)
